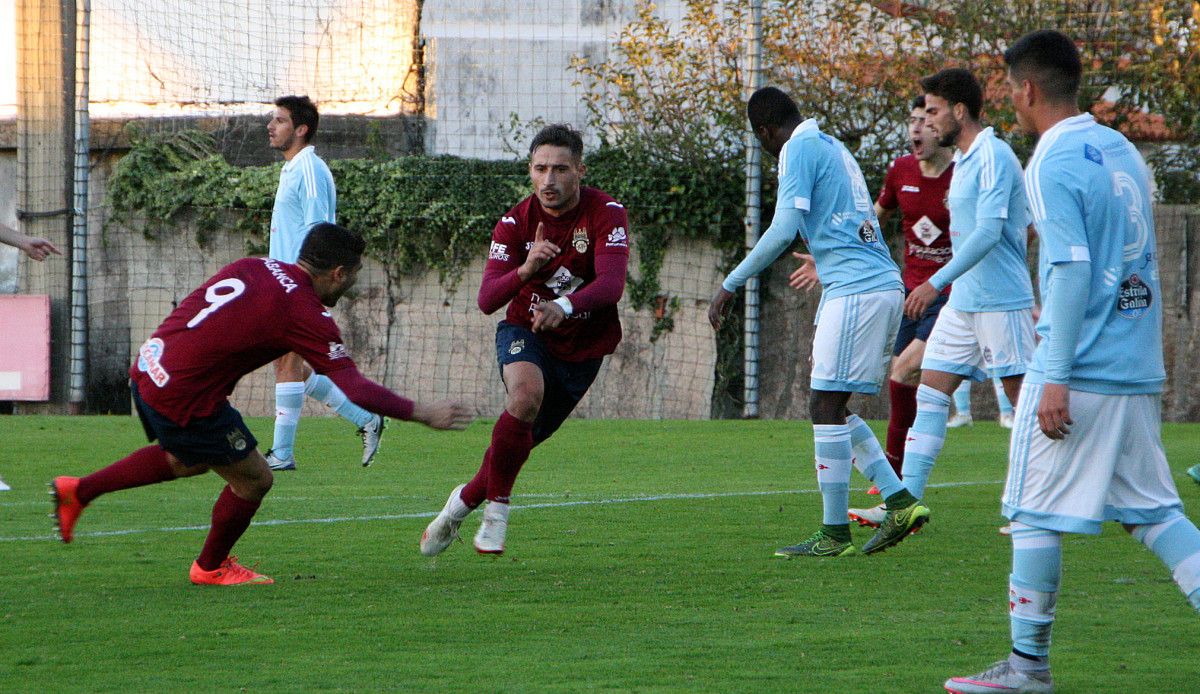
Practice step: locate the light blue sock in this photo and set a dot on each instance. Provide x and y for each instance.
(289, 399)
(833, 471)
(925, 438)
(1033, 587)
(1001, 398)
(1176, 542)
(962, 398)
(321, 388)
(869, 457)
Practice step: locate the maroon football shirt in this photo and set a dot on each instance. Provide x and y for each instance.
(590, 272)
(250, 313)
(924, 217)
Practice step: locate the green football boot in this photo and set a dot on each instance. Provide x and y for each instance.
(818, 545)
(896, 526)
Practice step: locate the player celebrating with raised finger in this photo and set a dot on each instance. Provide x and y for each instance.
(558, 260)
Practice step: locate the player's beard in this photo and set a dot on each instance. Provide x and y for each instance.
(948, 138)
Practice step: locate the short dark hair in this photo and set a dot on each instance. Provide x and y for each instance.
(1049, 59)
(770, 106)
(303, 112)
(956, 86)
(559, 135)
(329, 245)
(919, 101)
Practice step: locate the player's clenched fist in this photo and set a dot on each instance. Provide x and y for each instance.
(540, 253)
(547, 315)
(444, 414)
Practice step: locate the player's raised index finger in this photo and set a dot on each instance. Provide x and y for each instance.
(540, 234)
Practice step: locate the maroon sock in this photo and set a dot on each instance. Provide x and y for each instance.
(903, 412)
(230, 517)
(476, 490)
(144, 466)
(512, 440)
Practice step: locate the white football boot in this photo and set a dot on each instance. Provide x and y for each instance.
(371, 434)
(443, 529)
(490, 538)
(1006, 420)
(959, 420)
(870, 517)
(1002, 677)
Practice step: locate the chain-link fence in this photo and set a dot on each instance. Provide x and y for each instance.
(427, 107)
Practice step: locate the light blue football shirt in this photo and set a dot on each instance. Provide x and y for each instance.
(820, 180)
(306, 196)
(1090, 193)
(987, 186)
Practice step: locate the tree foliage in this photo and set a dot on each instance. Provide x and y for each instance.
(676, 89)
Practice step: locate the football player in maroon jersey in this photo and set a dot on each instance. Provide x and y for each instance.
(247, 315)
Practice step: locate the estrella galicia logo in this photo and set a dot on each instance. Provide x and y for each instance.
(1135, 298)
(1092, 154)
(866, 232)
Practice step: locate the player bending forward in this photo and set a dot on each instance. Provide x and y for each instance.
(558, 261)
(250, 313)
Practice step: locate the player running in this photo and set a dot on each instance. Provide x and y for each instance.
(248, 314)
(1086, 443)
(558, 260)
(986, 327)
(823, 198)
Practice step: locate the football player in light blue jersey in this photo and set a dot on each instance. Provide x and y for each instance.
(823, 198)
(986, 328)
(1086, 445)
(306, 196)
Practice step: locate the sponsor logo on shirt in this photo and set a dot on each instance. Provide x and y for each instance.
(563, 282)
(149, 356)
(1134, 298)
(280, 275)
(910, 189)
(938, 254)
(508, 220)
(499, 251)
(1092, 154)
(338, 351)
(925, 230)
(866, 232)
(516, 346)
(618, 238)
(580, 240)
(615, 204)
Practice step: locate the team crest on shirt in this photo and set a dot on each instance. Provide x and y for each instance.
(516, 346)
(866, 232)
(925, 230)
(236, 440)
(580, 240)
(1134, 298)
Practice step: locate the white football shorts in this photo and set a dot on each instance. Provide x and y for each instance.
(979, 346)
(1110, 467)
(852, 345)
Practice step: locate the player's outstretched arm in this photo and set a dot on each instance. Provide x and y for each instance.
(371, 396)
(34, 247)
(443, 414)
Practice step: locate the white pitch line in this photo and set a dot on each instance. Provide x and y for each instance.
(430, 514)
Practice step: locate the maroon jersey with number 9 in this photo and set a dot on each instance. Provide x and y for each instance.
(250, 313)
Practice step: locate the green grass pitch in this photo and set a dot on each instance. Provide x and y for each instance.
(639, 559)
